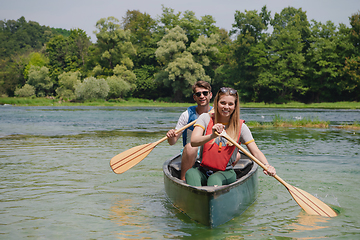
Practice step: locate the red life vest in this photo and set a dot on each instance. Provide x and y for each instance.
(216, 157)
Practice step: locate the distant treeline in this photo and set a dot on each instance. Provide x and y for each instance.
(139, 56)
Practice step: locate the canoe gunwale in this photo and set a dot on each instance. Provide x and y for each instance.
(210, 200)
(208, 189)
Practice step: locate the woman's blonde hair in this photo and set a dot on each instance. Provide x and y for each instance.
(234, 123)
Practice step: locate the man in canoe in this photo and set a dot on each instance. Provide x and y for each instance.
(217, 154)
(202, 95)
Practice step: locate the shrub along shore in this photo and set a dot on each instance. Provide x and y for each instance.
(138, 102)
(135, 102)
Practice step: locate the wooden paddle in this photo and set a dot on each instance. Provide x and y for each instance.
(306, 201)
(126, 160)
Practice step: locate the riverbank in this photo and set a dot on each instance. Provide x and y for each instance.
(277, 120)
(136, 102)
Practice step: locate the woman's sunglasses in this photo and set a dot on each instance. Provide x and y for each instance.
(198, 94)
(227, 89)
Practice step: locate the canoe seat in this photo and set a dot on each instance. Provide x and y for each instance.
(242, 164)
(176, 165)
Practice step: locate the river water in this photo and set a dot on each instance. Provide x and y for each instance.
(56, 182)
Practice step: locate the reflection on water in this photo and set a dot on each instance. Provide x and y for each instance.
(133, 221)
(309, 223)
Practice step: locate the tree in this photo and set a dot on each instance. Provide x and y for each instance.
(68, 54)
(355, 30)
(142, 28)
(78, 45)
(20, 36)
(146, 87)
(292, 17)
(12, 73)
(192, 26)
(172, 44)
(57, 49)
(67, 84)
(322, 62)
(350, 81)
(168, 19)
(36, 59)
(350, 74)
(285, 61)
(60, 31)
(39, 78)
(207, 26)
(181, 68)
(113, 43)
(251, 23)
(127, 75)
(249, 53)
(205, 52)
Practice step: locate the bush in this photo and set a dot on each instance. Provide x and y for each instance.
(39, 78)
(92, 88)
(118, 87)
(67, 82)
(26, 91)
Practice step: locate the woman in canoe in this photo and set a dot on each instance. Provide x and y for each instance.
(218, 156)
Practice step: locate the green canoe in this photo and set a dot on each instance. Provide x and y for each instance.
(209, 205)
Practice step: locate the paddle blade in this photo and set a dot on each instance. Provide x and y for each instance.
(126, 160)
(309, 203)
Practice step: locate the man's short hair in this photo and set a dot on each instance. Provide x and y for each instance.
(201, 84)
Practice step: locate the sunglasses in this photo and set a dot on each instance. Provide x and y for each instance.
(227, 89)
(205, 93)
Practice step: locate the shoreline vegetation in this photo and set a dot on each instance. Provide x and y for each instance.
(139, 102)
(279, 122)
(135, 102)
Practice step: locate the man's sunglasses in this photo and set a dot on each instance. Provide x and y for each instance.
(198, 94)
(227, 89)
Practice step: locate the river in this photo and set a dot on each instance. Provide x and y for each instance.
(56, 182)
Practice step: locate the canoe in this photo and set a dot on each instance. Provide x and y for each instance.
(210, 205)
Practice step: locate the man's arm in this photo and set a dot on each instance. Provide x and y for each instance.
(172, 136)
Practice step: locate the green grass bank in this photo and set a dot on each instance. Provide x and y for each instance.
(150, 103)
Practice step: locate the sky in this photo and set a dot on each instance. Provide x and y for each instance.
(72, 14)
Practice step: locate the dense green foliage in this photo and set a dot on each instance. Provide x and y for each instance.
(142, 57)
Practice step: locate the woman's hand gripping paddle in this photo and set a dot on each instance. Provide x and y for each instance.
(306, 201)
(126, 160)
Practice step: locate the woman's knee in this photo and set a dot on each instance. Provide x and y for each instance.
(216, 179)
(193, 177)
(222, 178)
